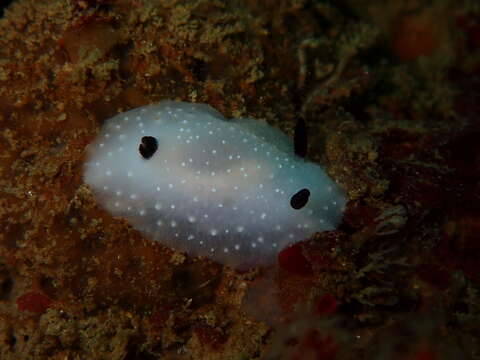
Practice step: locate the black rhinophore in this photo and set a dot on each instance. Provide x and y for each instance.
(300, 140)
(300, 199)
(148, 146)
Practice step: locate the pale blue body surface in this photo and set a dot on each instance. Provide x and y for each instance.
(215, 187)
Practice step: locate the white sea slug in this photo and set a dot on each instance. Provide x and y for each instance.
(231, 190)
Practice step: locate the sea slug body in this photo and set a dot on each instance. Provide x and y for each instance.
(229, 189)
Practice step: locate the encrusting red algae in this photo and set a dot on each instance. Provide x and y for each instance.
(389, 94)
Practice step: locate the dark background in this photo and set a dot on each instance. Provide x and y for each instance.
(3, 5)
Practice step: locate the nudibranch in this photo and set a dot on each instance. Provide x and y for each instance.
(232, 190)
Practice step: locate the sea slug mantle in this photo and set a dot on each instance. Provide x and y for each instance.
(229, 189)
